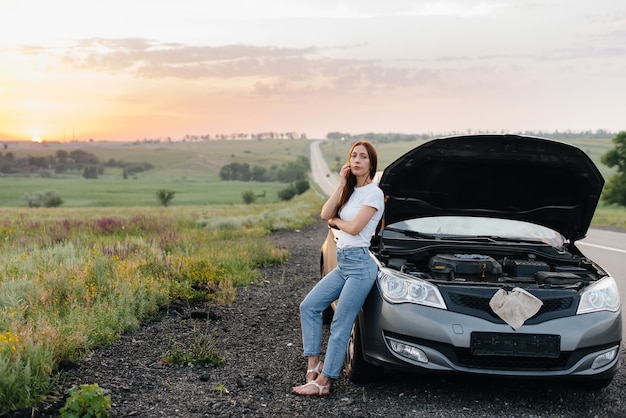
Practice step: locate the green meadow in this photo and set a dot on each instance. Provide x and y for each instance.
(76, 277)
(190, 169)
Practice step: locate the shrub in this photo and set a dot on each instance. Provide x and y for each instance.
(200, 351)
(47, 199)
(248, 197)
(53, 202)
(165, 196)
(90, 171)
(287, 193)
(302, 186)
(86, 401)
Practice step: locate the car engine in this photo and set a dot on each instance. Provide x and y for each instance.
(470, 267)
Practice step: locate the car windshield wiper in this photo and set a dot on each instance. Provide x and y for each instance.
(412, 234)
(512, 239)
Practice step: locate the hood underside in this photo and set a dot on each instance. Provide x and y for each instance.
(503, 176)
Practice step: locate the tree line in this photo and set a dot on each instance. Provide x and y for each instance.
(615, 188)
(63, 161)
(293, 172)
(285, 173)
(399, 137)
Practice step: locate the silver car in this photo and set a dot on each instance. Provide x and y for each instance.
(479, 272)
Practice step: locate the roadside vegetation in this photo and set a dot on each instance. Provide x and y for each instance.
(615, 189)
(75, 279)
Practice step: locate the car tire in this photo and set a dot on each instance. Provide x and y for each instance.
(357, 369)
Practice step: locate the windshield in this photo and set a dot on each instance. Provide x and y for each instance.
(469, 226)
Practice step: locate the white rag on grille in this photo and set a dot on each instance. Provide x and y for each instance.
(515, 306)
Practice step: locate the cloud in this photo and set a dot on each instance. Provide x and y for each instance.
(145, 58)
(270, 69)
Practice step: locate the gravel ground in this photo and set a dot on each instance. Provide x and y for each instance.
(259, 339)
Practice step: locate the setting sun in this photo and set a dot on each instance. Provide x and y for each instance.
(36, 139)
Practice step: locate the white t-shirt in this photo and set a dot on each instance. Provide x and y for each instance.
(369, 195)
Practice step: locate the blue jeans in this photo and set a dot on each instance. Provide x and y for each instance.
(350, 282)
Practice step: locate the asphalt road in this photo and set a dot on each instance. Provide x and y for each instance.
(607, 248)
(320, 172)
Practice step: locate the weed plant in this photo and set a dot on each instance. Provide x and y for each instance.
(86, 401)
(196, 349)
(75, 279)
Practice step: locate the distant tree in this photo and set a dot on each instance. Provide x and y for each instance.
(39, 162)
(53, 202)
(90, 171)
(133, 168)
(47, 199)
(258, 173)
(8, 163)
(293, 171)
(287, 193)
(165, 196)
(337, 135)
(81, 158)
(248, 197)
(62, 156)
(302, 186)
(615, 188)
(235, 171)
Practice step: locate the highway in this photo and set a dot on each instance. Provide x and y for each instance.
(607, 248)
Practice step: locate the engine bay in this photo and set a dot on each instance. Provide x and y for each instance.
(529, 269)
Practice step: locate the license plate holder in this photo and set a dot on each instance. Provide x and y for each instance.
(515, 345)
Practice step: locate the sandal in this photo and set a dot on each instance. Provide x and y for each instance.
(317, 370)
(319, 387)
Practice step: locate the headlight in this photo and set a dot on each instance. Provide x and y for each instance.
(600, 296)
(397, 287)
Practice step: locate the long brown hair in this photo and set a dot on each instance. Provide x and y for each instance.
(348, 189)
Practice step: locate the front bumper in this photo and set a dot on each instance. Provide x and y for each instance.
(424, 339)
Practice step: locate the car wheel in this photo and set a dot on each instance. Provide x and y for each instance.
(357, 369)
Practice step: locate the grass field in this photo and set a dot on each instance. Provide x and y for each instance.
(73, 279)
(76, 277)
(190, 169)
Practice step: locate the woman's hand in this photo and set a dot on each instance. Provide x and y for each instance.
(330, 207)
(343, 174)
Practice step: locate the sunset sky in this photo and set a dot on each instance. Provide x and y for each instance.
(135, 69)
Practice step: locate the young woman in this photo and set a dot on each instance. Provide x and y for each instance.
(355, 207)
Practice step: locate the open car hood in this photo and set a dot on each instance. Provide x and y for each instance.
(501, 176)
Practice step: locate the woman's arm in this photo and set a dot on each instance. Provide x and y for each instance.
(355, 226)
(330, 207)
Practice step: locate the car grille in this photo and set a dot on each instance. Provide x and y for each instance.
(475, 301)
(467, 359)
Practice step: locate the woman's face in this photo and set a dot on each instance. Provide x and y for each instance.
(360, 161)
